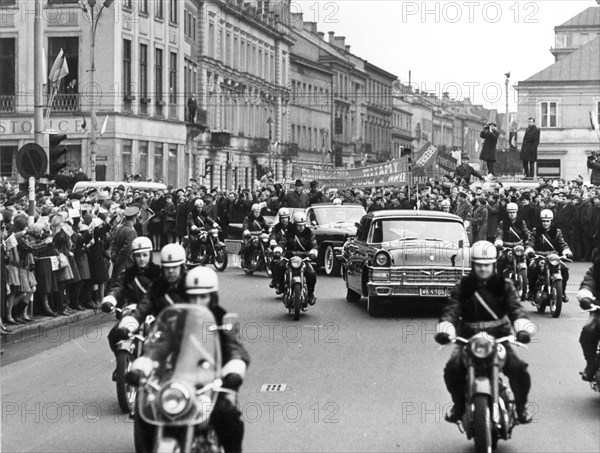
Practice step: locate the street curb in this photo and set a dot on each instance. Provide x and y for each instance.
(46, 323)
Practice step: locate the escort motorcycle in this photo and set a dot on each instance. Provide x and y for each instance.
(490, 413)
(176, 400)
(209, 249)
(595, 383)
(261, 255)
(295, 290)
(548, 290)
(516, 268)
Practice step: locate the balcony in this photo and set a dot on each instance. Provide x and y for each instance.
(65, 102)
(7, 103)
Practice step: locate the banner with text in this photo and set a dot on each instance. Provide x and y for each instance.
(388, 173)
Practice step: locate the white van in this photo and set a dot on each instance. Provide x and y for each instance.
(84, 186)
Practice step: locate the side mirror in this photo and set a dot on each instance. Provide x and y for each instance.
(231, 323)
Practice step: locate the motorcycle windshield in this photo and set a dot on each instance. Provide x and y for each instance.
(187, 351)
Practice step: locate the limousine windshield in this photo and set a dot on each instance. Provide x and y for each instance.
(390, 230)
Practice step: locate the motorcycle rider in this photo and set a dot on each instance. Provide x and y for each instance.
(510, 233)
(252, 222)
(201, 287)
(543, 240)
(197, 222)
(277, 234)
(445, 205)
(590, 334)
(131, 285)
(299, 239)
(485, 301)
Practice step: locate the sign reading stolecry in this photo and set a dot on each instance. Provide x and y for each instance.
(20, 126)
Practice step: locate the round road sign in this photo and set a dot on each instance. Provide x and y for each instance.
(32, 161)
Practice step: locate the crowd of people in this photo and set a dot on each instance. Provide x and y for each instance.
(48, 263)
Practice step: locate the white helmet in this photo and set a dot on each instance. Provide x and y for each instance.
(546, 214)
(445, 202)
(199, 203)
(512, 207)
(484, 252)
(172, 255)
(300, 218)
(255, 207)
(201, 280)
(337, 201)
(283, 212)
(141, 244)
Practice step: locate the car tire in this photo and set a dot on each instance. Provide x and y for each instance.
(351, 296)
(331, 266)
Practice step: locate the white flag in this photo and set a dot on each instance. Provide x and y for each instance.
(103, 130)
(59, 68)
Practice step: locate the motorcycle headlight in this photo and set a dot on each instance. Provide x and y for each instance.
(296, 262)
(174, 399)
(519, 250)
(481, 348)
(553, 259)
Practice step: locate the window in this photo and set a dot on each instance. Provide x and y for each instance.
(126, 159)
(127, 4)
(70, 47)
(229, 50)
(548, 114)
(143, 160)
(194, 28)
(159, 169)
(4, 3)
(173, 78)
(127, 67)
(158, 74)
(159, 11)
(143, 71)
(173, 11)
(7, 71)
(144, 6)
(7, 158)
(211, 40)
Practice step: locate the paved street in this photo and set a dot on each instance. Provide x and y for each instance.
(352, 383)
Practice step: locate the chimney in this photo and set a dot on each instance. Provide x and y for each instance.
(321, 35)
(347, 48)
(331, 38)
(339, 41)
(310, 27)
(446, 96)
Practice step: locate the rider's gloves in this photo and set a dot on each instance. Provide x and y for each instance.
(273, 243)
(194, 228)
(141, 367)
(128, 325)
(233, 372)
(232, 381)
(567, 253)
(525, 329)
(108, 304)
(529, 252)
(446, 332)
(313, 254)
(585, 298)
(246, 233)
(499, 243)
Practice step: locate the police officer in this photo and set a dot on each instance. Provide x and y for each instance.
(201, 287)
(300, 241)
(484, 301)
(510, 233)
(278, 233)
(253, 222)
(120, 248)
(131, 285)
(543, 240)
(588, 296)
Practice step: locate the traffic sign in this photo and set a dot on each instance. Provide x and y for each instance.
(32, 161)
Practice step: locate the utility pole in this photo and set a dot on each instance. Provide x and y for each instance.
(507, 127)
(38, 97)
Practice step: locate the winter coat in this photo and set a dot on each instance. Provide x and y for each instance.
(480, 223)
(499, 294)
(538, 241)
(488, 151)
(132, 284)
(531, 140)
(181, 214)
(294, 200)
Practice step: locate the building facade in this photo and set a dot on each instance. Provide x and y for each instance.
(561, 97)
(142, 56)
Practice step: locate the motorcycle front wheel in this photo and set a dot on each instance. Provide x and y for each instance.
(482, 426)
(125, 392)
(297, 300)
(556, 296)
(168, 445)
(522, 279)
(220, 260)
(143, 434)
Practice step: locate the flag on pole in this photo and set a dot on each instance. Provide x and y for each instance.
(594, 121)
(59, 68)
(103, 130)
(44, 65)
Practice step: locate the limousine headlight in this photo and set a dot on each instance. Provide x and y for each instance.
(382, 259)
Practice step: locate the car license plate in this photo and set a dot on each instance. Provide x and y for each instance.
(433, 291)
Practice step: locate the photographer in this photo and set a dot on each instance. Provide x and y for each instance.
(593, 163)
(529, 148)
(488, 152)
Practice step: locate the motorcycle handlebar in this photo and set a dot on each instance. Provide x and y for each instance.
(510, 338)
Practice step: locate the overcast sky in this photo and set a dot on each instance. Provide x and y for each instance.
(454, 44)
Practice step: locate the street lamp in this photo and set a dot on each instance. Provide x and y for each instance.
(506, 130)
(89, 10)
(270, 123)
